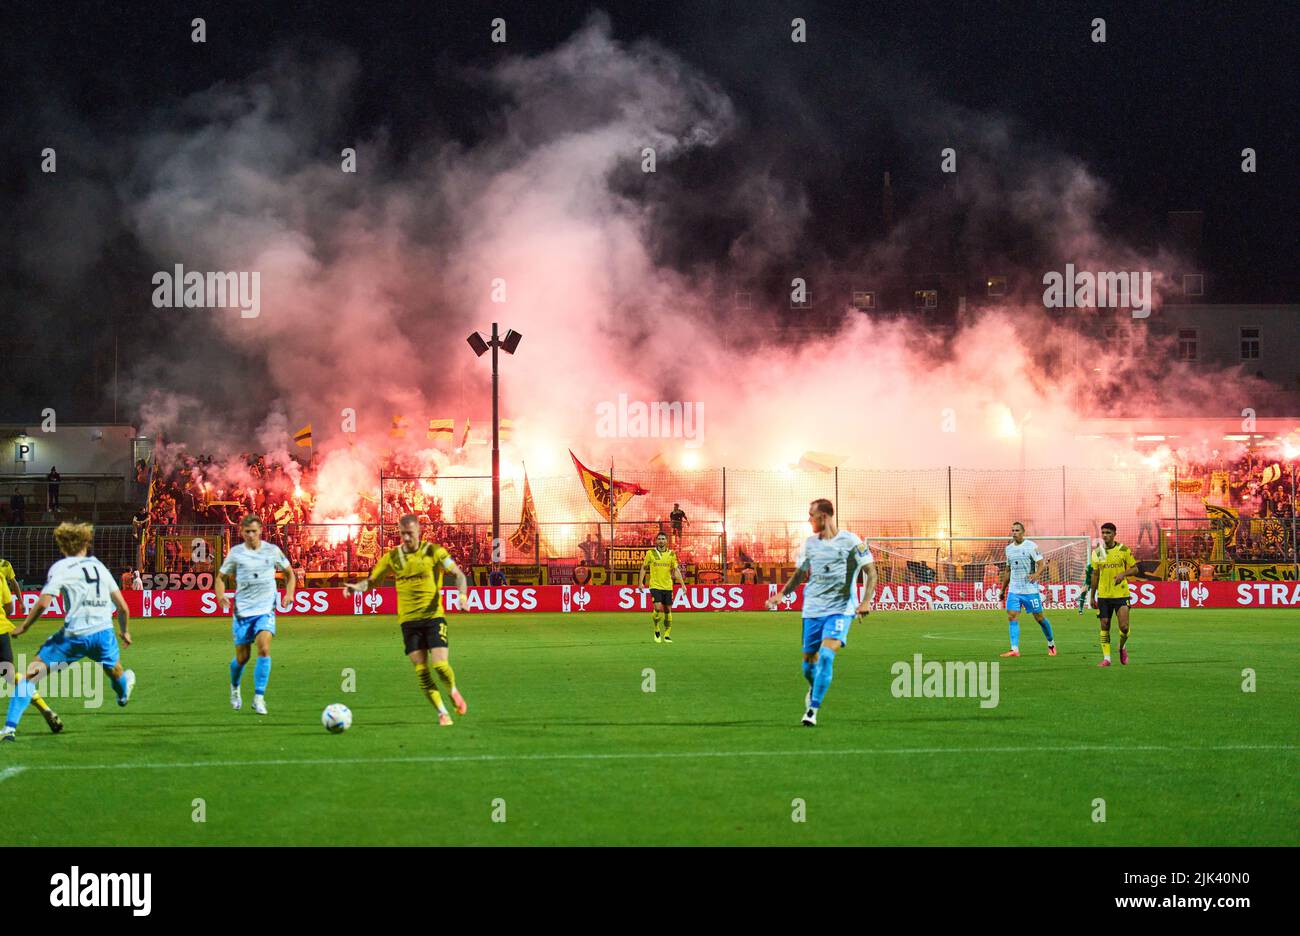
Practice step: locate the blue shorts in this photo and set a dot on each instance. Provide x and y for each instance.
(827, 627)
(1031, 603)
(63, 647)
(246, 629)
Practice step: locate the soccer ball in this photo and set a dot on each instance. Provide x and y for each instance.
(337, 718)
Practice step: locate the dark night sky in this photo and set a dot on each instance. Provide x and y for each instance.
(1161, 112)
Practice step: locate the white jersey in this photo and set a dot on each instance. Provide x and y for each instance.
(254, 577)
(832, 567)
(86, 588)
(1023, 558)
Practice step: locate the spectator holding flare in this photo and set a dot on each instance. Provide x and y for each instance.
(677, 518)
(1150, 517)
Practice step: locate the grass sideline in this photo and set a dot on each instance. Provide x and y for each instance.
(563, 739)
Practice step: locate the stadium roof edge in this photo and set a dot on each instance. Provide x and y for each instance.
(1186, 425)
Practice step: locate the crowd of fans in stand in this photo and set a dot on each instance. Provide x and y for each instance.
(1259, 487)
(469, 544)
(1258, 484)
(196, 490)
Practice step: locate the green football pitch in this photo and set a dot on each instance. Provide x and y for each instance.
(564, 742)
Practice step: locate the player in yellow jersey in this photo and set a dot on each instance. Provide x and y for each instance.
(9, 592)
(1113, 564)
(661, 563)
(418, 568)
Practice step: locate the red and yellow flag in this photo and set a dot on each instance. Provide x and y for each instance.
(524, 538)
(441, 429)
(598, 490)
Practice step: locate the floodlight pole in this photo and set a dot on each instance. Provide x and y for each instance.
(496, 453)
(509, 342)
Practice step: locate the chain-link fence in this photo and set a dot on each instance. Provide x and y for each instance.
(32, 550)
(722, 520)
(731, 518)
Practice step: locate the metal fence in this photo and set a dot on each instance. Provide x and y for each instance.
(31, 550)
(760, 515)
(733, 518)
(90, 497)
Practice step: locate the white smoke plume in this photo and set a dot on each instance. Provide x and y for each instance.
(371, 281)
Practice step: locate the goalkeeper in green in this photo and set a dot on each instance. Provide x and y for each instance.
(1088, 593)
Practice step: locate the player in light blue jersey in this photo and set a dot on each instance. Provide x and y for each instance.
(1024, 569)
(830, 562)
(253, 564)
(89, 596)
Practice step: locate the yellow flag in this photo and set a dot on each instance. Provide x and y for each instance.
(1225, 519)
(302, 438)
(441, 429)
(525, 536)
(399, 427)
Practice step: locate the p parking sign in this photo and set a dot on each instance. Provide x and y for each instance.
(24, 451)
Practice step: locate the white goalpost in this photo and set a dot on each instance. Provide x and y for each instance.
(975, 564)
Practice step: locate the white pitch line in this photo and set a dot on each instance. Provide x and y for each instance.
(647, 755)
(10, 772)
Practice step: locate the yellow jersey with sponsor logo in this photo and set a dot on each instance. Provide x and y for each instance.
(1112, 563)
(661, 565)
(418, 576)
(6, 597)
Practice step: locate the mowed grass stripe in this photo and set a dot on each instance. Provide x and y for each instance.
(656, 755)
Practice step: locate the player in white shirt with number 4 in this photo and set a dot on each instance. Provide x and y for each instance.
(89, 597)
